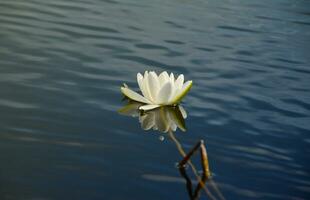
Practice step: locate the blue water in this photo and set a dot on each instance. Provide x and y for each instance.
(62, 63)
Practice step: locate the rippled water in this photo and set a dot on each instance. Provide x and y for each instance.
(61, 65)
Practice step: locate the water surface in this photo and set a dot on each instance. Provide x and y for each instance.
(61, 65)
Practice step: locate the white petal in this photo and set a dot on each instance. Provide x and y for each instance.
(145, 73)
(164, 94)
(146, 88)
(179, 82)
(153, 85)
(161, 120)
(134, 96)
(141, 85)
(185, 89)
(163, 78)
(149, 107)
(183, 111)
(172, 80)
(174, 91)
(147, 121)
(177, 118)
(172, 77)
(173, 126)
(140, 81)
(139, 78)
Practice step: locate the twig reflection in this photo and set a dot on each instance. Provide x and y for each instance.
(193, 194)
(189, 162)
(168, 119)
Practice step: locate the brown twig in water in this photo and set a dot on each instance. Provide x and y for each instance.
(189, 154)
(182, 152)
(204, 162)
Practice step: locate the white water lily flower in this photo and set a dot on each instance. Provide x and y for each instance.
(159, 90)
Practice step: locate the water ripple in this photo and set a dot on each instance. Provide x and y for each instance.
(62, 63)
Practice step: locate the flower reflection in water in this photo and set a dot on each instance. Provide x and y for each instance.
(163, 119)
(168, 119)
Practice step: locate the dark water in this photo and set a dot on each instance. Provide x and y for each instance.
(62, 63)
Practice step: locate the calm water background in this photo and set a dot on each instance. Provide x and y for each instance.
(61, 65)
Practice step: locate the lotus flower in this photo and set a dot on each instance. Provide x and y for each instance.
(163, 119)
(159, 90)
